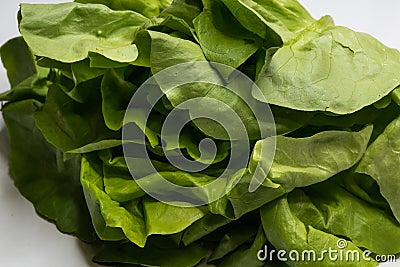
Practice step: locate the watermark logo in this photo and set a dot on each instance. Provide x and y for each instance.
(341, 243)
(340, 253)
(217, 102)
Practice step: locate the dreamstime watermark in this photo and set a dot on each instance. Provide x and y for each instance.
(340, 253)
(217, 101)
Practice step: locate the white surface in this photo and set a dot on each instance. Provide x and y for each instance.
(28, 240)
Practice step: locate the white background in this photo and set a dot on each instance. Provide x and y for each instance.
(28, 240)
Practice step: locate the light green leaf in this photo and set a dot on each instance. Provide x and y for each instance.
(77, 29)
(221, 36)
(100, 61)
(396, 95)
(286, 18)
(165, 219)
(95, 146)
(329, 68)
(148, 8)
(184, 10)
(161, 42)
(119, 184)
(111, 220)
(288, 233)
(240, 201)
(300, 162)
(215, 100)
(348, 216)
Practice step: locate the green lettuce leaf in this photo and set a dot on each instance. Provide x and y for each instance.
(148, 8)
(288, 233)
(300, 162)
(184, 10)
(348, 217)
(236, 237)
(134, 219)
(203, 227)
(27, 79)
(116, 93)
(111, 220)
(321, 172)
(285, 18)
(44, 175)
(246, 256)
(77, 29)
(330, 68)
(71, 126)
(381, 162)
(221, 36)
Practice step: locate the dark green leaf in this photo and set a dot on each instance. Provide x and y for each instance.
(44, 175)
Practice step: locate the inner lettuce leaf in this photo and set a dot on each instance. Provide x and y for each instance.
(210, 93)
(184, 12)
(70, 125)
(115, 94)
(134, 219)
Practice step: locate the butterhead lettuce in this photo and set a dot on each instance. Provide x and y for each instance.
(329, 181)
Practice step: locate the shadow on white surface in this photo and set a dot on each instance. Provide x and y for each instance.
(88, 252)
